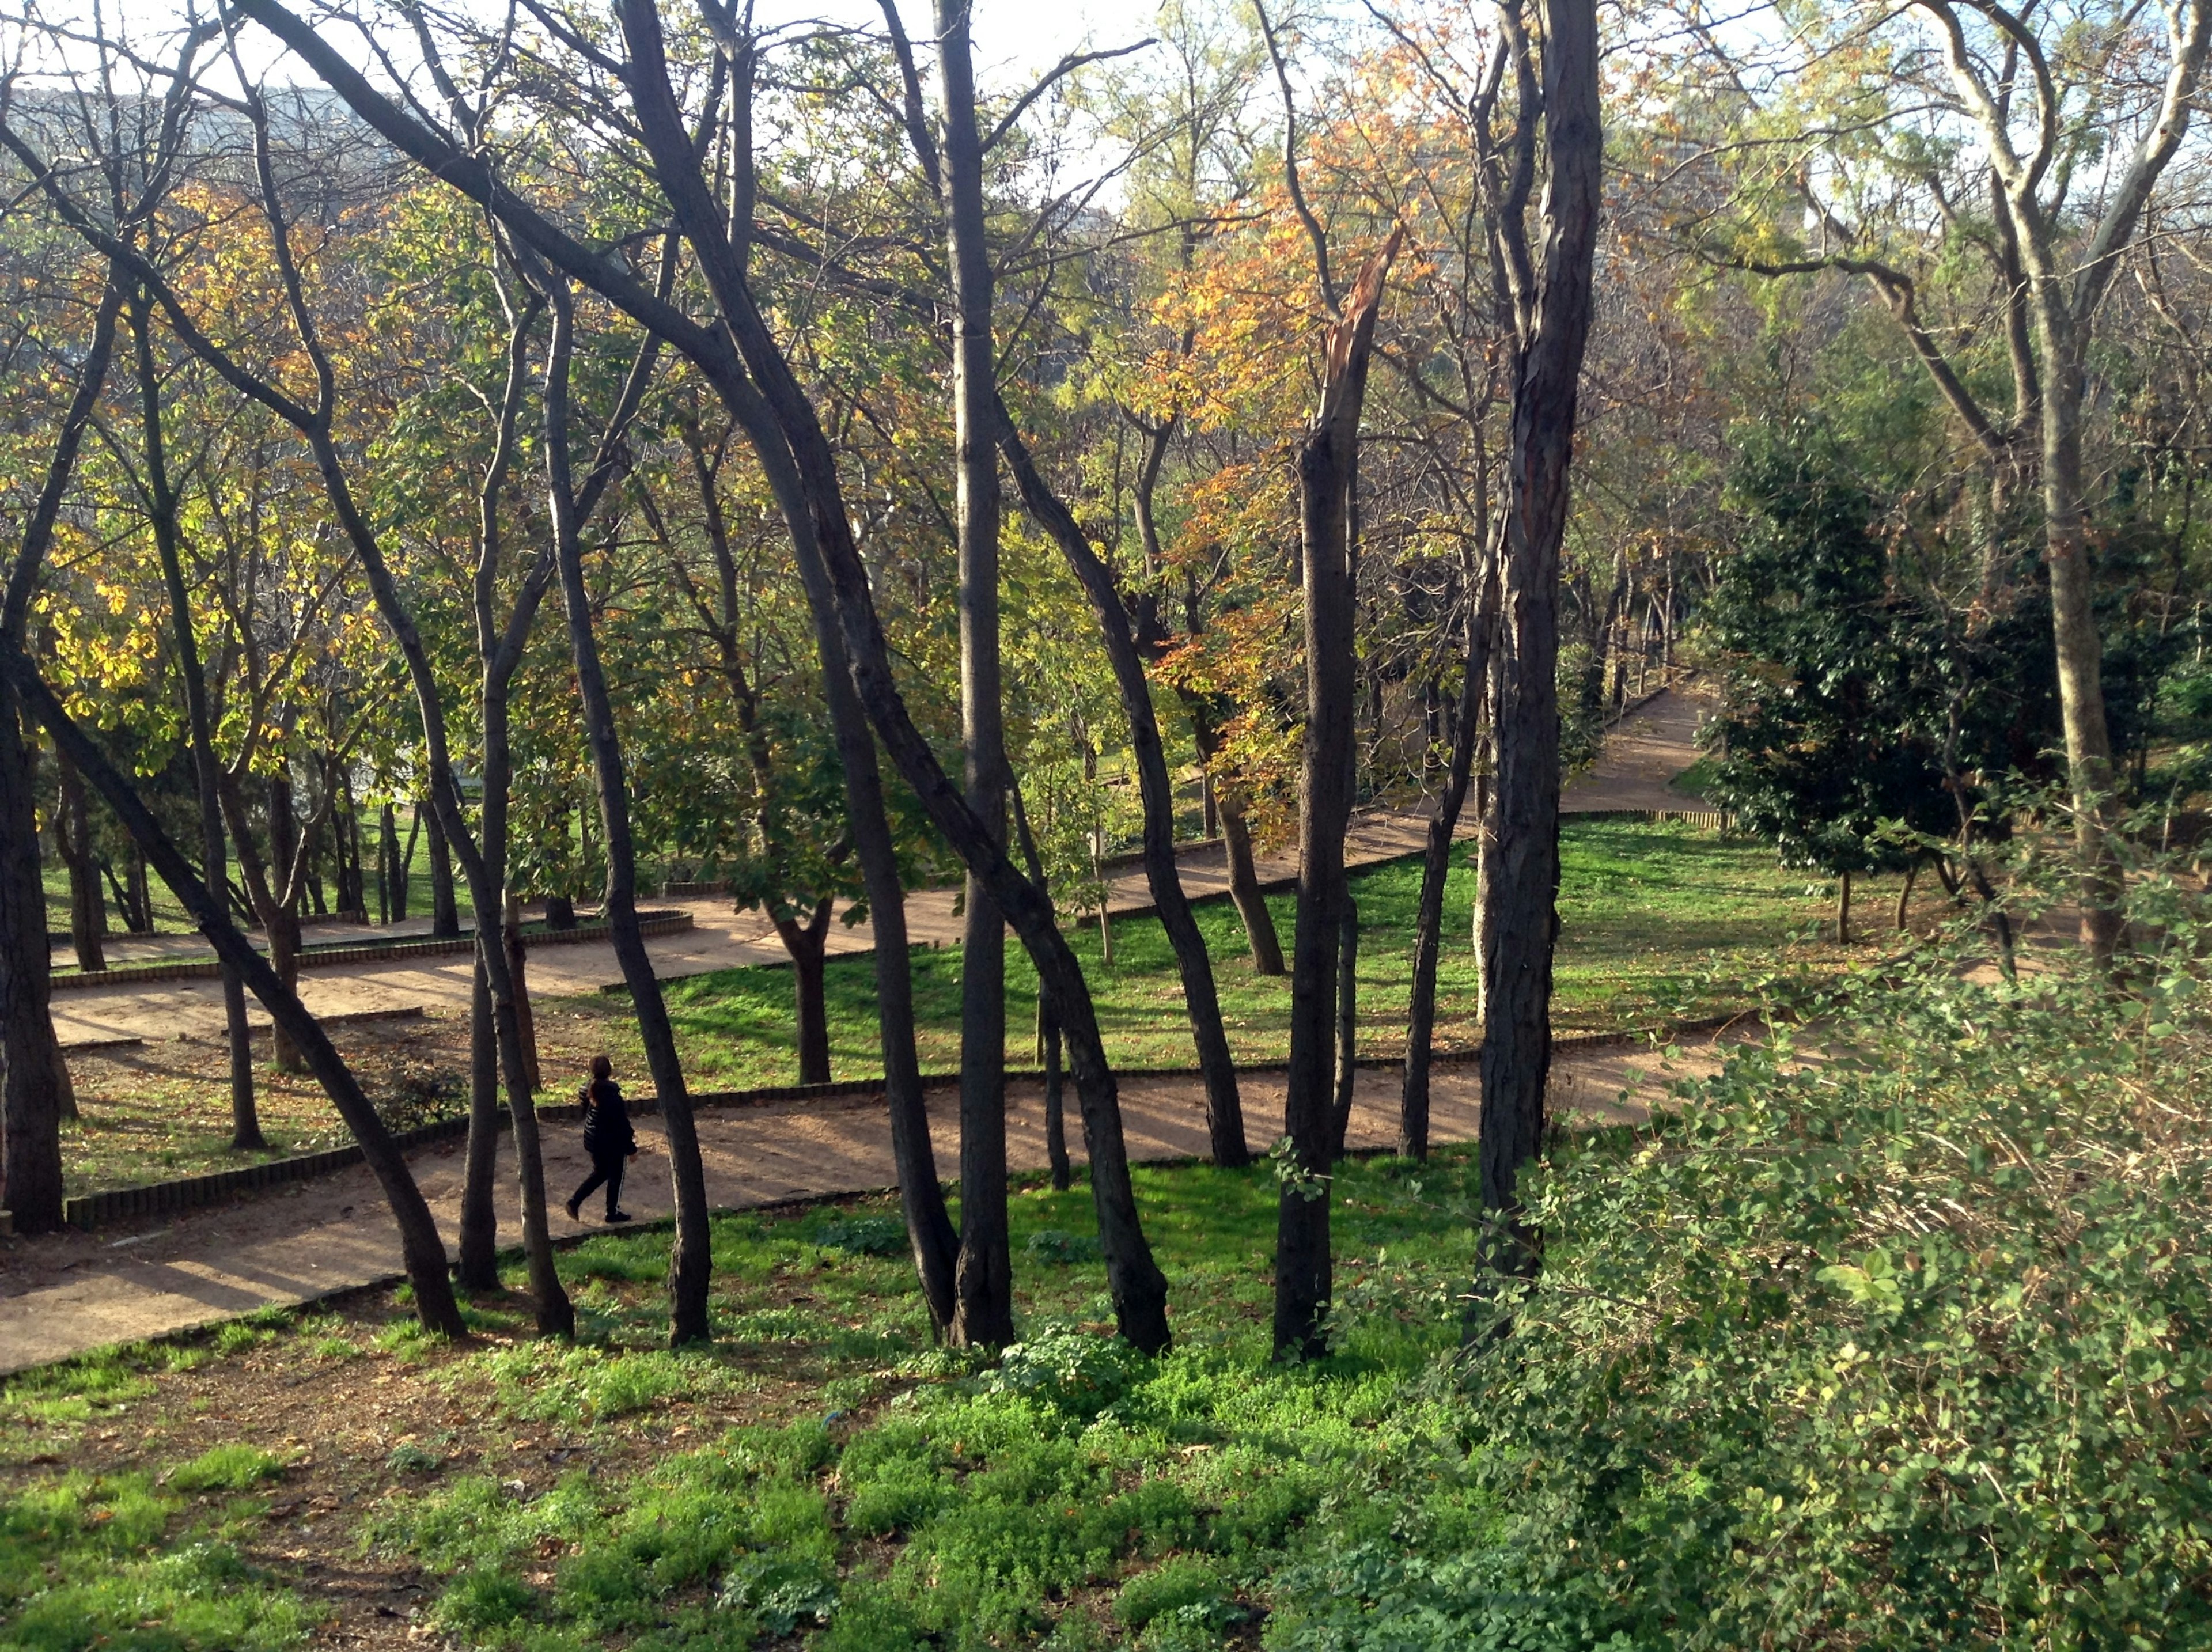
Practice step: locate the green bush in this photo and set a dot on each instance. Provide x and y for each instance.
(1173, 1587)
(1905, 1344)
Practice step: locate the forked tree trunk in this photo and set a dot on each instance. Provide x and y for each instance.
(1519, 890)
(1225, 1112)
(807, 945)
(1327, 465)
(423, 1252)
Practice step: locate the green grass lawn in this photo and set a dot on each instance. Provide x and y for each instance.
(822, 1471)
(1655, 920)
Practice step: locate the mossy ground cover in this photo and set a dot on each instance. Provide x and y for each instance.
(1656, 921)
(823, 1473)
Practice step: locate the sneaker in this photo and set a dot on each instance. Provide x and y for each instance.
(618, 1215)
(571, 1208)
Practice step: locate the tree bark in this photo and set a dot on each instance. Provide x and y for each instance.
(477, 1264)
(1225, 1112)
(1519, 891)
(691, 1261)
(1905, 894)
(1844, 909)
(423, 1252)
(1326, 461)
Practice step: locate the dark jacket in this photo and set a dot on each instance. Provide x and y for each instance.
(607, 1133)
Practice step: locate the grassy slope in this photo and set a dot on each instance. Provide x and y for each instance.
(1645, 912)
(578, 1496)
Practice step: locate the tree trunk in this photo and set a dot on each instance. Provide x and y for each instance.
(403, 866)
(30, 1066)
(1244, 890)
(162, 510)
(1436, 869)
(477, 1265)
(445, 912)
(423, 1252)
(559, 912)
(525, 1019)
(73, 838)
(1225, 1112)
(807, 943)
(387, 863)
(1844, 909)
(2080, 649)
(1326, 468)
(984, 1287)
(1519, 890)
(690, 1261)
(1904, 895)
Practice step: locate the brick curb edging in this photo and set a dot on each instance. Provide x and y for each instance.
(337, 956)
(89, 1212)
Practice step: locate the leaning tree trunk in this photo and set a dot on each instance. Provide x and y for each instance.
(1236, 850)
(1436, 871)
(422, 1251)
(1225, 1111)
(690, 1261)
(1327, 459)
(1519, 890)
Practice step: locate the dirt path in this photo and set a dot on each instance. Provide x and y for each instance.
(72, 1292)
(1648, 748)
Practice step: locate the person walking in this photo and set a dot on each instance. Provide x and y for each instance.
(607, 1137)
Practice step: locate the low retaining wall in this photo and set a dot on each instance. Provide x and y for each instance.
(336, 957)
(115, 1204)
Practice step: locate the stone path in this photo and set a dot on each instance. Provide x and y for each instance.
(72, 1292)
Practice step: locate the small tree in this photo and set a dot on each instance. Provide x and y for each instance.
(1849, 700)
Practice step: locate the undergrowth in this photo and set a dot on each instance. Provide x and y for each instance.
(1895, 1337)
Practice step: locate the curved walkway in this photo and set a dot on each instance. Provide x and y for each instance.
(1648, 748)
(73, 1292)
